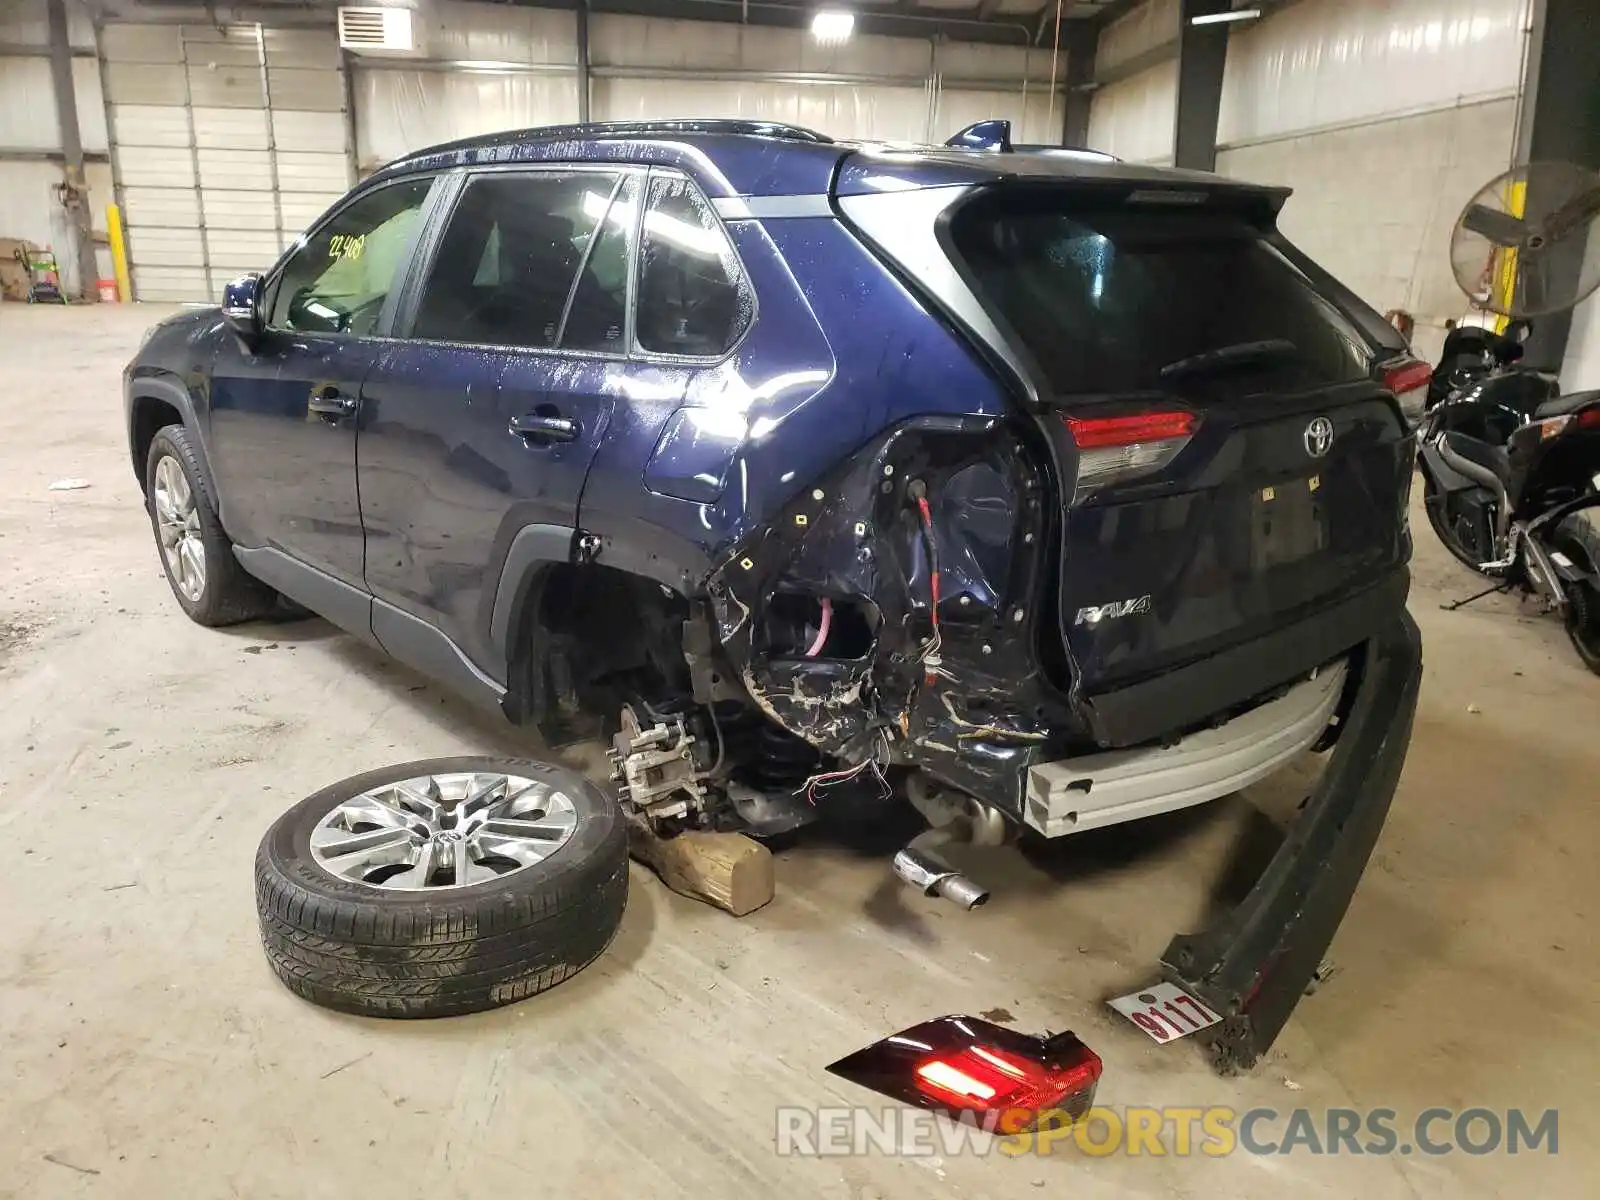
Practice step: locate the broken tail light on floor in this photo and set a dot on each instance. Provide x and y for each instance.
(1115, 449)
(958, 1065)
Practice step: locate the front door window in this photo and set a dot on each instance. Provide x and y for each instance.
(338, 280)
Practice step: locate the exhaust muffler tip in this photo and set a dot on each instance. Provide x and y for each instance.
(932, 877)
(960, 890)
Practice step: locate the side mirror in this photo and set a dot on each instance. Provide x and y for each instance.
(241, 308)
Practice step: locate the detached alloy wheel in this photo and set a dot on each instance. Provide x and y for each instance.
(441, 887)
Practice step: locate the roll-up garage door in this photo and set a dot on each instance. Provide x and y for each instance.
(226, 144)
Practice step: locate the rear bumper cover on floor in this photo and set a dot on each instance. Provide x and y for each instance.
(1253, 964)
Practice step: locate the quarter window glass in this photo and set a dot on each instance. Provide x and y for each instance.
(338, 280)
(691, 300)
(597, 318)
(508, 258)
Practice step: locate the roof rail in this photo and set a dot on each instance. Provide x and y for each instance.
(731, 125)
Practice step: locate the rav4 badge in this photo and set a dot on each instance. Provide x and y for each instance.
(1093, 614)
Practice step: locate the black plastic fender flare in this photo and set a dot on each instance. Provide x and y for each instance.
(1580, 531)
(154, 387)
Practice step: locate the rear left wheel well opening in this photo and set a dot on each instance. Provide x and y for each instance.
(150, 416)
(590, 638)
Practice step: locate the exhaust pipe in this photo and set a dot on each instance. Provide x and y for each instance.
(924, 870)
(1481, 475)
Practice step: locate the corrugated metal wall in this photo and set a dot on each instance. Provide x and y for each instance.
(226, 142)
(1581, 369)
(871, 87)
(1385, 116)
(1133, 117)
(29, 206)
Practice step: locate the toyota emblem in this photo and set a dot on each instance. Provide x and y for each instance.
(1319, 437)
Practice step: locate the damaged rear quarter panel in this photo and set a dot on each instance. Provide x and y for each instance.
(972, 708)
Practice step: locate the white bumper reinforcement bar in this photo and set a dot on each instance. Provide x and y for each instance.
(1074, 794)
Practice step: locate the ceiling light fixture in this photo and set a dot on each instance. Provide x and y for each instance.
(1237, 14)
(831, 26)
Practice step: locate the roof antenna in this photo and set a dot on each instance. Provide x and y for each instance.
(993, 135)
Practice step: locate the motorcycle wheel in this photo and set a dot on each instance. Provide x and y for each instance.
(1434, 502)
(1583, 622)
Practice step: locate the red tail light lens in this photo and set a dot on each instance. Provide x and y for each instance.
(1408, 379)
(961, 1065)
(1096, 433)
(1115, 449)
(1589, 418)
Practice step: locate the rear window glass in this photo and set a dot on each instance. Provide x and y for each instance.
(1104, 298)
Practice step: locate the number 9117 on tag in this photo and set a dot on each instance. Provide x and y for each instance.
(1164, 1011)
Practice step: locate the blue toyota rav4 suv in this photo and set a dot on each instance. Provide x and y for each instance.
(1053, 490)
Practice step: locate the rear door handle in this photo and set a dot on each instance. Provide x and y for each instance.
(330, 402)
(537, 428)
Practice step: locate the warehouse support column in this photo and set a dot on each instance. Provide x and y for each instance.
(1560, 121)
(1202, 51)
(1083, 41)
(75, 193)
(583, 62)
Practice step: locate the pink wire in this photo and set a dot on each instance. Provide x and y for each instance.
(822, 633)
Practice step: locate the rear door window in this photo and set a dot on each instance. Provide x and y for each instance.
(1105, 298)
(692, 296)
(597, 316)
(509, 257)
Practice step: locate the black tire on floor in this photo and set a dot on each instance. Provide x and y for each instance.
(230, 594)
(437, 952)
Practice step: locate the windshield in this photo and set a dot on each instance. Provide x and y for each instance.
(1106, 297)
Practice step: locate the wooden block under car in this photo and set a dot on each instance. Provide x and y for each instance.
(728, 870)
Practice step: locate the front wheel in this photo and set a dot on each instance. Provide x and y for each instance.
(207, 581)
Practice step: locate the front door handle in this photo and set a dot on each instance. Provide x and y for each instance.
(330, 402)
(539, 428)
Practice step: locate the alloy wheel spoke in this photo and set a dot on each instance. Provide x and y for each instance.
(455, 829)
(534, 831)
(417, 876)
(360, 854)
(189, 550)
(485, 793)
(520, 850)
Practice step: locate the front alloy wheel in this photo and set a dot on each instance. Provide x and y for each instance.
(178, 529)
(196, 555)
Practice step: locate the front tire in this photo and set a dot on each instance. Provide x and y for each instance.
(207, 581)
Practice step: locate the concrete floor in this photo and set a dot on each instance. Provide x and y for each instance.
(147, 1050)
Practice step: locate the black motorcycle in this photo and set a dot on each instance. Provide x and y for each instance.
(1511, 479)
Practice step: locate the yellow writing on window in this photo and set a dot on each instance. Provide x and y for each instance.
(347, 245)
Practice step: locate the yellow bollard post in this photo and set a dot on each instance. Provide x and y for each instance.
(119, 253)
